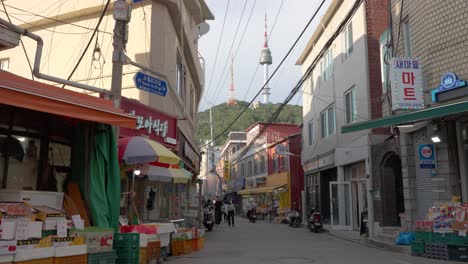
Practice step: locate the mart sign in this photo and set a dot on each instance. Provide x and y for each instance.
(406, 85)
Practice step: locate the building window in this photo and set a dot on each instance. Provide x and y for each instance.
(351, 111)
(250, 168)
(326, 66)
(327, 121)
(311, 132)
(262, 164)
(348, 39)
(181, 78)
(4, 64)
(275, 163)
(242, 171)
(407, 39)
(192, 102)
(255, 167)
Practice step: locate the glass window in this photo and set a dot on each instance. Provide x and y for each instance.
(326, 65)
(311, 132)
(181, 77)
(262, 164)
(242, 170)
(255, 167)
(348, 39)
(250, 168)
(407, 39)
(350, 101)
(327, 120)
(22, 155)
(4, 64)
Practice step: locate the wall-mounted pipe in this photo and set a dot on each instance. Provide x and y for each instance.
(37, 61)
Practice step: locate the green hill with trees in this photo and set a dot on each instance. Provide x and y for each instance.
(224, 114)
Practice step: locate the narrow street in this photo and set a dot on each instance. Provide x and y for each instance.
(270, 243)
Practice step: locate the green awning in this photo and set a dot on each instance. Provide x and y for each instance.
(416, 116)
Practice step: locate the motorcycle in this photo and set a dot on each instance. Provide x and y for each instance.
(208, 221)
(314, 223)
(253, 215)
(294, 219)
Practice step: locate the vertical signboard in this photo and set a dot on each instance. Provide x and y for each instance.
(406, 85)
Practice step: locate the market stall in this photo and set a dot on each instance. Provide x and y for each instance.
(442, 235)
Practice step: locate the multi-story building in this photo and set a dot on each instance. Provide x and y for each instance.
(342, 61)
(161, 37)
(427, 160)
(260, 172)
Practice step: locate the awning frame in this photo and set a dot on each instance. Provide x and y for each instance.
(406, 118)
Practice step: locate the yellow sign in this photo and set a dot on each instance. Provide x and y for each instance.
(227, 170)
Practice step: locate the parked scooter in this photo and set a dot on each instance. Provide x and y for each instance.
(294, 219)
(208, 221)
(253, 215)
(314, 223)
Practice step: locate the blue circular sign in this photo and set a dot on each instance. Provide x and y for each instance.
(448, 80)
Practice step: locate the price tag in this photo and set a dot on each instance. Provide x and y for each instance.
(22, 229)
(462, 233)
(61, 227)
(78, 222)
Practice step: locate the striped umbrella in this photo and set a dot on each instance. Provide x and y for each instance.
(134, 150)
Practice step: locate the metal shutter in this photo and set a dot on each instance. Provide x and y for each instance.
(423, 187)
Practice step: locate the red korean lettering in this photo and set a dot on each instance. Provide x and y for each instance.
(408, 77)
(409, 93)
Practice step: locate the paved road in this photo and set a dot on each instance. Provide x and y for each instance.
(280, 244)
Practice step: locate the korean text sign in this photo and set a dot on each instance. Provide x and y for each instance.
(406, 85)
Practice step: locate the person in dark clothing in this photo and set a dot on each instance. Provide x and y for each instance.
(231, 213)
(218, 211)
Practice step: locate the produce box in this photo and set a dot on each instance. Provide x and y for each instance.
(43, 212)
(8, 247)
(34, 254)
(70, 251)
(68, 241)
(97, 239)
(79, 259)
(35, 243)
(15, 209)
(450, 239)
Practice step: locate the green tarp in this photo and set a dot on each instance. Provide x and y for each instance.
(103, 190)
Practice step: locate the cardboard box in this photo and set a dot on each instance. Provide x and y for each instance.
(44, 212)
(35, 243)
(68, 241)
(457, 226)
(8, 247)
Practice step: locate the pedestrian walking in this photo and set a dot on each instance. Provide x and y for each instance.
(231, 213)
(225, 210)
(218, 211)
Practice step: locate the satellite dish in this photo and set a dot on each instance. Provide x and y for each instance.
(201, 29)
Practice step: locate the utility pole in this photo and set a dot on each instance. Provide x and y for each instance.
(212, 155)
(122, 14)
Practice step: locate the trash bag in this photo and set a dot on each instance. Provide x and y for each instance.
(405, 238)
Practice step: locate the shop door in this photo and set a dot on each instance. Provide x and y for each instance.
(340, 205)
(359, 191)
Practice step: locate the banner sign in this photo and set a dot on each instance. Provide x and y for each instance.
(406, 85)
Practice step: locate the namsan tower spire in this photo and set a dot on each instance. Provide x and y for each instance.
(232, 99)
(266, 60)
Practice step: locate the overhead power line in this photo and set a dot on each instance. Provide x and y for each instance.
(89, 42)
(219, 44)
(53, 19)
(22, 44)
(272, 75)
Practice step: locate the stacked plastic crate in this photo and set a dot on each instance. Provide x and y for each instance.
(127, 248)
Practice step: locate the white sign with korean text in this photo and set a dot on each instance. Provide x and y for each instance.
(406, 84)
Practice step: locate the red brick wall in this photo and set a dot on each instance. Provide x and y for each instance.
(377, 23)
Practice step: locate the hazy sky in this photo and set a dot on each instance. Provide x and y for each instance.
(292, 18)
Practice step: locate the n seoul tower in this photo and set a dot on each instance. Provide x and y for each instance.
(266, 60)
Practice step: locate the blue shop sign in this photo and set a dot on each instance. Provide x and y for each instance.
(448, 82)
(427, 158)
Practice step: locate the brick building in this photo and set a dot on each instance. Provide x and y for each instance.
(342, 59)
(433, 33)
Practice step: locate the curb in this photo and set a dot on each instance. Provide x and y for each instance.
(373, 244)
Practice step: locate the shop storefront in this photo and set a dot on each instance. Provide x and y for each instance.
(51, 137)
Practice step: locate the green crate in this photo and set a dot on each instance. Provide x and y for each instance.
(424, 236)
(126, 242)
(450, 239)
(418, 247)
(102, 258)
